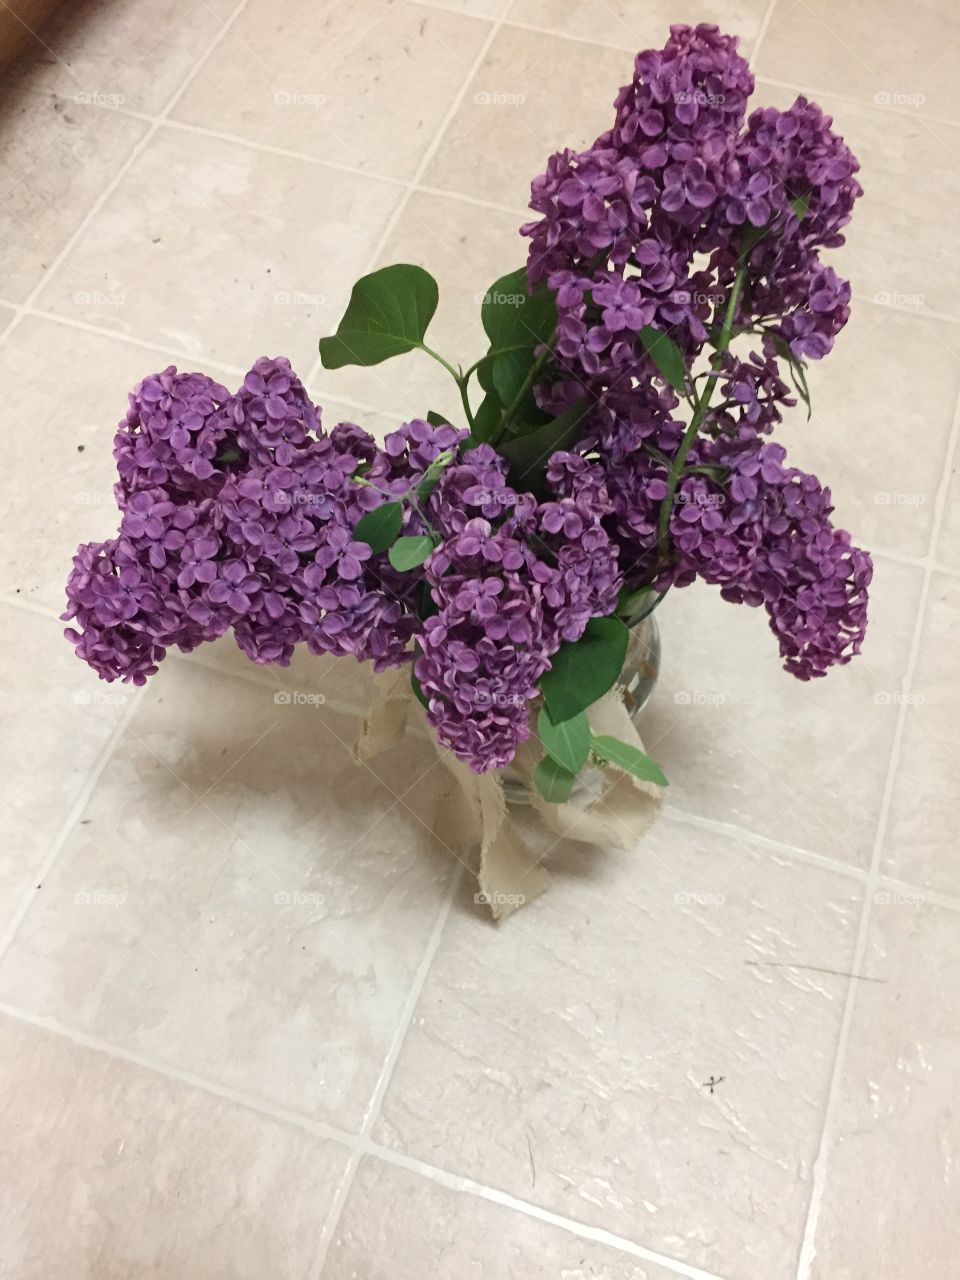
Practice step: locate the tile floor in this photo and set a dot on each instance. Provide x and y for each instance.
(251, 1022)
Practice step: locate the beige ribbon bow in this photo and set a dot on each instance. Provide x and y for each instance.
(607, 807)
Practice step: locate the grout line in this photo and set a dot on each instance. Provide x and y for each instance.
(422, 167)
(456, 1182)
(342, 1137)
(795, 853)
(117, 178)
(730, 831)
(808, 1249)
(764, 28)
(319, 1128)
(76, 809)
(376, 1099)
(809, 91)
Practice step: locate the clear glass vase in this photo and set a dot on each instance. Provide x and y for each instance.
(638, 680)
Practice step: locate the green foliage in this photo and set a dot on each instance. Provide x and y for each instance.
(666, 355)
(582, 671)
(528, 452)
(379, 528)
(387, 315)
(631, 759)
(553, 781)
(410, 553)
(568, 742)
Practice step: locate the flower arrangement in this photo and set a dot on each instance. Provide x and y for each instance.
(620, 445)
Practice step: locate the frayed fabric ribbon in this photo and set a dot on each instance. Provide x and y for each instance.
(473, 820)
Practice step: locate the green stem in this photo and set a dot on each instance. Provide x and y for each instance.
(459, 378)
(513, 407)
(700, 411)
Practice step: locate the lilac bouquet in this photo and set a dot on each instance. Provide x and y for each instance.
(620, 445)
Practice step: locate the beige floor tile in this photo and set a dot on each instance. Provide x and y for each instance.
(910, 173)
(121, 54)
(562, 1058)
(56, 723)
(398, 1226)
(204, 246)
(241, 899)
(889, 1205)
(347, 685)
(921, 835)
(55, 160)
(466, 248)
(66, 392)
(532, 95)
(111, 1171)
(906, 56)
(948, 544)
(744, 742)
(343, 83)
(6, 315)
(626, 25)
(476, 8)
(864, 404)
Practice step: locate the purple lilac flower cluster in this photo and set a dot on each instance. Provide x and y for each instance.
(684, 218)
(238, 512)
(511, 580)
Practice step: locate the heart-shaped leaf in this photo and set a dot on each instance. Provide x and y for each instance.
(387, 315)
(666, 355)
(516, 321)
(408, 553)
(553, 781)
(568, 742)
(582, 671)
(379, 528)
(512, 316)
(630, 759)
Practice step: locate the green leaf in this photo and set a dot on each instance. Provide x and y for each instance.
(415, 686)
(487, 418)
(800, 205)
(751, 238)
(798, 372)
(514, 317)
(437, 419)
(408, 553)
(527, 453)
(582, 671)
(553, 781)
(568, 742)
(379, 528)
(388, 314)
(414, 682)
(666, 355)
(630, 759)
(516, 321)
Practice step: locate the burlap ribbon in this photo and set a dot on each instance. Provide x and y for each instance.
(472, 819)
